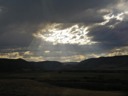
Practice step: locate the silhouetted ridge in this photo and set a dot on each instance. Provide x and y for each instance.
(8, 65)
(104, 63)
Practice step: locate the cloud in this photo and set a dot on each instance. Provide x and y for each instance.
(62, 28)
(71, 35)
(21, 16)
(119, 51)
(75, 58)
(33, 56)
(112, 32)
(13, 55)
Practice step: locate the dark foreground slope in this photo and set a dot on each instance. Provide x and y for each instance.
(26, 87)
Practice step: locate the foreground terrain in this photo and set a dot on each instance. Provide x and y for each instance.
(62, 83)
(104, 76)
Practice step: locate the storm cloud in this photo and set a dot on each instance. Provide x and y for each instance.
(105, 21)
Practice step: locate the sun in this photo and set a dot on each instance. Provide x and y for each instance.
(74, 34)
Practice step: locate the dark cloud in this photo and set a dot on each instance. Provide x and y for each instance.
(110, 38)
(38, 11)
(19, 19)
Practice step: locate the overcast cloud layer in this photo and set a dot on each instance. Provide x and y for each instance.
(64, 30)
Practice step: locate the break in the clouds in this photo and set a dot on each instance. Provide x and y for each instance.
(63, 30)
(55, 33)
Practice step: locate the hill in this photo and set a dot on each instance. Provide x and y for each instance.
(8, 65)
(104, 63)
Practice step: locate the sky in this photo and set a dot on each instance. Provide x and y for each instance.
(63, 30)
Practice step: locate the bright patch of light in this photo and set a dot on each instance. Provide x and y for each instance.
(71, 35)
(118, 12)
(47, 51)
(119, 51)
(119, 17)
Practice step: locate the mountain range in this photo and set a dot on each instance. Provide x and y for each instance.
(102, 63)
